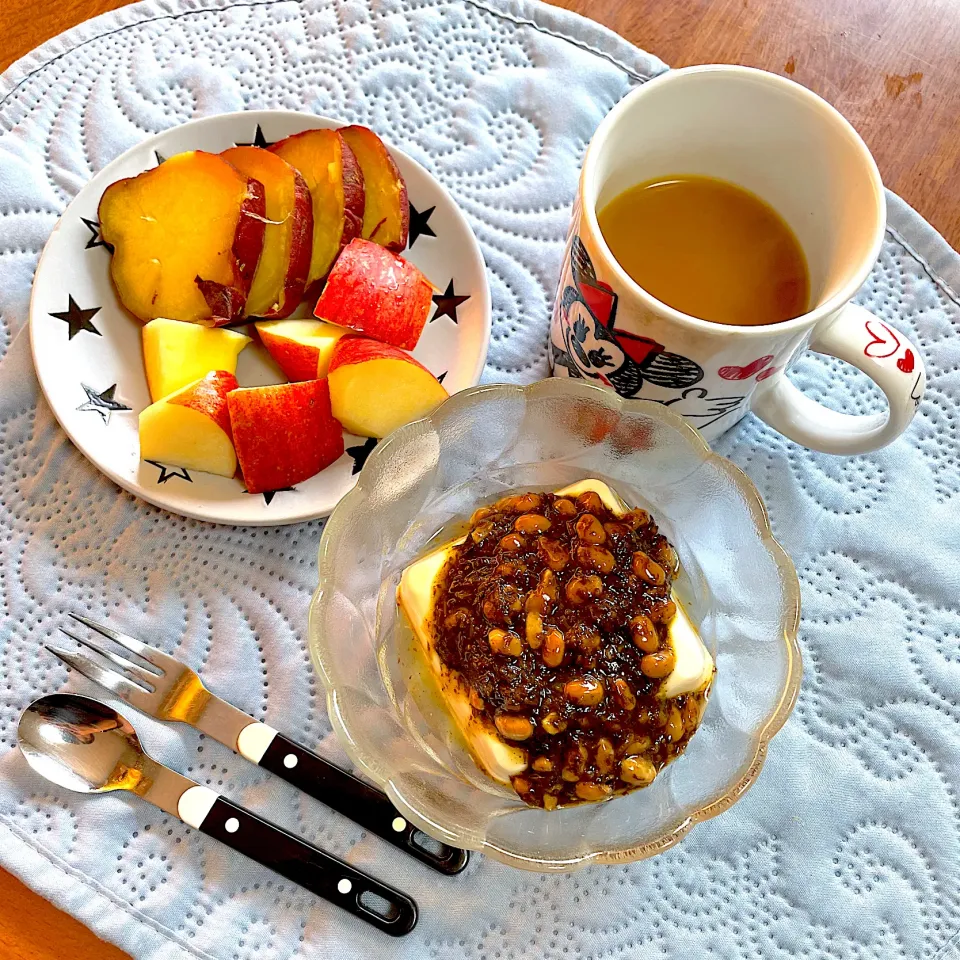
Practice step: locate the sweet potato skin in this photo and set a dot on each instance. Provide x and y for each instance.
(354, 196)
(248, 241)
(301, 251)
(381, 177)
(288, 237)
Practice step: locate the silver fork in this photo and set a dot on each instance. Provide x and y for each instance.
(167, 689)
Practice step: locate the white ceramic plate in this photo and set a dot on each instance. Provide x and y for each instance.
(87, 349)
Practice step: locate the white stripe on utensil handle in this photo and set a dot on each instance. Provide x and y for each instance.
(194, 805)
(254, 740)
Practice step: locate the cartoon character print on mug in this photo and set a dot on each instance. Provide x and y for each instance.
(585, 343)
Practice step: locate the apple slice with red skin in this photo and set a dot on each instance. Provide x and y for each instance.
(335, 181)
(376, 388)
(386, 216)
(187, 237)
(281, 275)
(377, 293)
(191, 428)
(302, 348)
(284, 433)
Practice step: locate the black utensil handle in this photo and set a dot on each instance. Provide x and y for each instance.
(314, 869)
(362, 803)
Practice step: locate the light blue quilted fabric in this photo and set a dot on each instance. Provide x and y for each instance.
(849, 844)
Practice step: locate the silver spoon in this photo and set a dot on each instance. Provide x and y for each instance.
(88, 747)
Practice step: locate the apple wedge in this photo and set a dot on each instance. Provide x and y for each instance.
(278, 284)
(177, 353)
(284, 433)
(191, 428)
(302, 348)
(377, 293)
(386, 216)
(187, 237)
(375, 388)
(333, 177)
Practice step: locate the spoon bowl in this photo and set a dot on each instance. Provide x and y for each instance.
(83, 745)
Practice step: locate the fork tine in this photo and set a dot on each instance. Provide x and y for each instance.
(154, 657)
(124, 688)
(135, 668)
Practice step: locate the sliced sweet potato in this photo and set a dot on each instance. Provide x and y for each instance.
(335, 181)
(386, 215)
(187, 237)
(281, 276)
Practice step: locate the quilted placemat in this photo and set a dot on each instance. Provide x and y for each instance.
(849, 844)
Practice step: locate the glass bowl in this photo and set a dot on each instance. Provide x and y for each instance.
(738, 585)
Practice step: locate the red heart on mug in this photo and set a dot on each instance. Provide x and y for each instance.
(745, 373)
(905, 363)
(885, 342)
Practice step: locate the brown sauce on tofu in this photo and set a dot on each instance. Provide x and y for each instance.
(555, 612)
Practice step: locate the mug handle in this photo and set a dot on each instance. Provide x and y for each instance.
(885, 355)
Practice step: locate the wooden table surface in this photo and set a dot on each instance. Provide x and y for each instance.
(892, 67)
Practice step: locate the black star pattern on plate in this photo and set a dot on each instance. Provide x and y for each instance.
(442, 375)
(160, 157)
(419, 225)
(447, 303)
(96, 239)
(268, 495)
(76, 319)
(259, 140)
(361, 452)
(102, 403)
(168, 473)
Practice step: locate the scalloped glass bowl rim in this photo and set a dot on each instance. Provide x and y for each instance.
(790, 622)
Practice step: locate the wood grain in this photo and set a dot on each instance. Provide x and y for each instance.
(25, 24)
(893, 68)
(31, 928)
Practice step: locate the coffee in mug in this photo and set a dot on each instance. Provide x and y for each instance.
(708, 248)
(633, 316)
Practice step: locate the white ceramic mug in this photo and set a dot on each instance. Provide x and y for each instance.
(792, 149)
